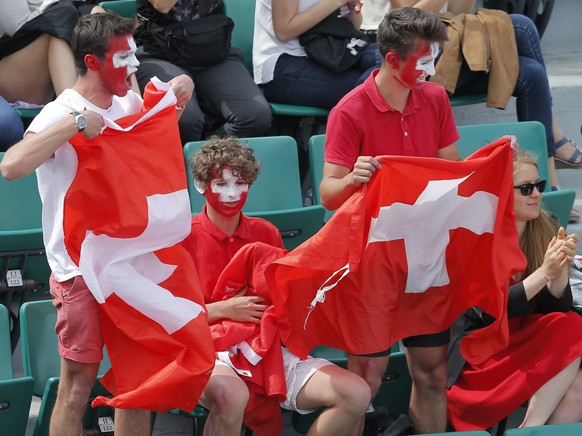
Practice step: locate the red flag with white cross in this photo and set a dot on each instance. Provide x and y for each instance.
(422, 242)
(124, 215)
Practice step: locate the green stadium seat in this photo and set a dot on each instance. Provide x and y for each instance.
(531, 137)
(276, 194)
(15, 393)
(42, 362)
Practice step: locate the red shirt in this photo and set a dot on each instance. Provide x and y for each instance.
(212, 249)
(364, 124)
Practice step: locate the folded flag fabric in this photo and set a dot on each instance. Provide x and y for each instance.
(254, 350)
(124, 215)
(422, 242)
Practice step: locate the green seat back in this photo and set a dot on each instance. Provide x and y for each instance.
(125, 8)
(463, 100)
(316, 149)
(41, 361)
(21, 239)
(276, 194)
(15, 393)
(531, 137)
(242, 13)
(6, 371)
(40, 357)
(547, 430)
(278, 185)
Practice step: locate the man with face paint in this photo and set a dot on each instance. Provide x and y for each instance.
(223, 171)
(104, 53)
(396, 112)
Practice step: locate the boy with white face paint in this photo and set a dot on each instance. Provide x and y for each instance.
(104, 53)
(396, 112)
(223, 171)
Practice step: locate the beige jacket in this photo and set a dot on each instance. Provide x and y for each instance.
(486, 40)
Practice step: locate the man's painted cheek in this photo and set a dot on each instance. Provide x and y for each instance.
(126, 59)
(426, 63)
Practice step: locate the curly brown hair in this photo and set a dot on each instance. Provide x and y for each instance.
(218, 152)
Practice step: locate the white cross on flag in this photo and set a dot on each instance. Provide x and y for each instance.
(425, 240)
(124, 215)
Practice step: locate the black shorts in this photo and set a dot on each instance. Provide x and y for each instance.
(426, 341)
(420, 341)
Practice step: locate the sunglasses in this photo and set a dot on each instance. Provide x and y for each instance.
(527, 188)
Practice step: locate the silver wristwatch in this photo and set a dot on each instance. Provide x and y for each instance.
(80, 120)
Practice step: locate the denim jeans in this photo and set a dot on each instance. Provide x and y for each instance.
(11, 127)
(532, 90)
(298, 80)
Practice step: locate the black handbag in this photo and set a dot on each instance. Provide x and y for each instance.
(334, 43)
(198, 43)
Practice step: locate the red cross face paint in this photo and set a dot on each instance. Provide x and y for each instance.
(418, 66)
(119, 65)
(227, 193)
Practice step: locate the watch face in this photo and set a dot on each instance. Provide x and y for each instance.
(81, 121)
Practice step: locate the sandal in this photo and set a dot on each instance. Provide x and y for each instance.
(571, 162)
(574, 217)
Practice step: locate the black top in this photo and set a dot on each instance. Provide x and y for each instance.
(517, 305)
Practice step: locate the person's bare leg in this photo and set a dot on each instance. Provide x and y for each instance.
(345, 396)
(132, 422)
(371, 369)
(428, 398)
(543, 403)
(76, 382)
(61, 64)
(25, 74)
(226, 396)
(570, 407)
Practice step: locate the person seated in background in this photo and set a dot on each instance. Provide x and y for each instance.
(223, 171)
(281, 66)
(541, 364)
(11, 127)
(532, 90)
(36, 61)
(227, 101)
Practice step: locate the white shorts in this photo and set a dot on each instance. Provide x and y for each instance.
(297, 374)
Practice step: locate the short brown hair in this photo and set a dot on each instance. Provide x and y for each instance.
(402, 28)
(93, 33)
(218, 152)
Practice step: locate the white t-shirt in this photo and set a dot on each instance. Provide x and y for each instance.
(372, 13)
(266, 46)
(56, 175)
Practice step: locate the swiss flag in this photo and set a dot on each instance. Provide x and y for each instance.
(124, 215)
(425, 240)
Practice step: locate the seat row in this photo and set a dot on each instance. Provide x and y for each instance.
(41, 369)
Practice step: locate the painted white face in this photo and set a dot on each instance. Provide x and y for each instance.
(126, 58)
(426, 63)
(230, 188)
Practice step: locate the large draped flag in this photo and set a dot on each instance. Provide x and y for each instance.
(422, 242)
(124, 214)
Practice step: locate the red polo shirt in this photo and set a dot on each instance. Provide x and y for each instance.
(212, 249)
(364, 124)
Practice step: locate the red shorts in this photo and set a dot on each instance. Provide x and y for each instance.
(78, 325)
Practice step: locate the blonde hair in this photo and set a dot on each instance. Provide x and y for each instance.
(538, 232)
